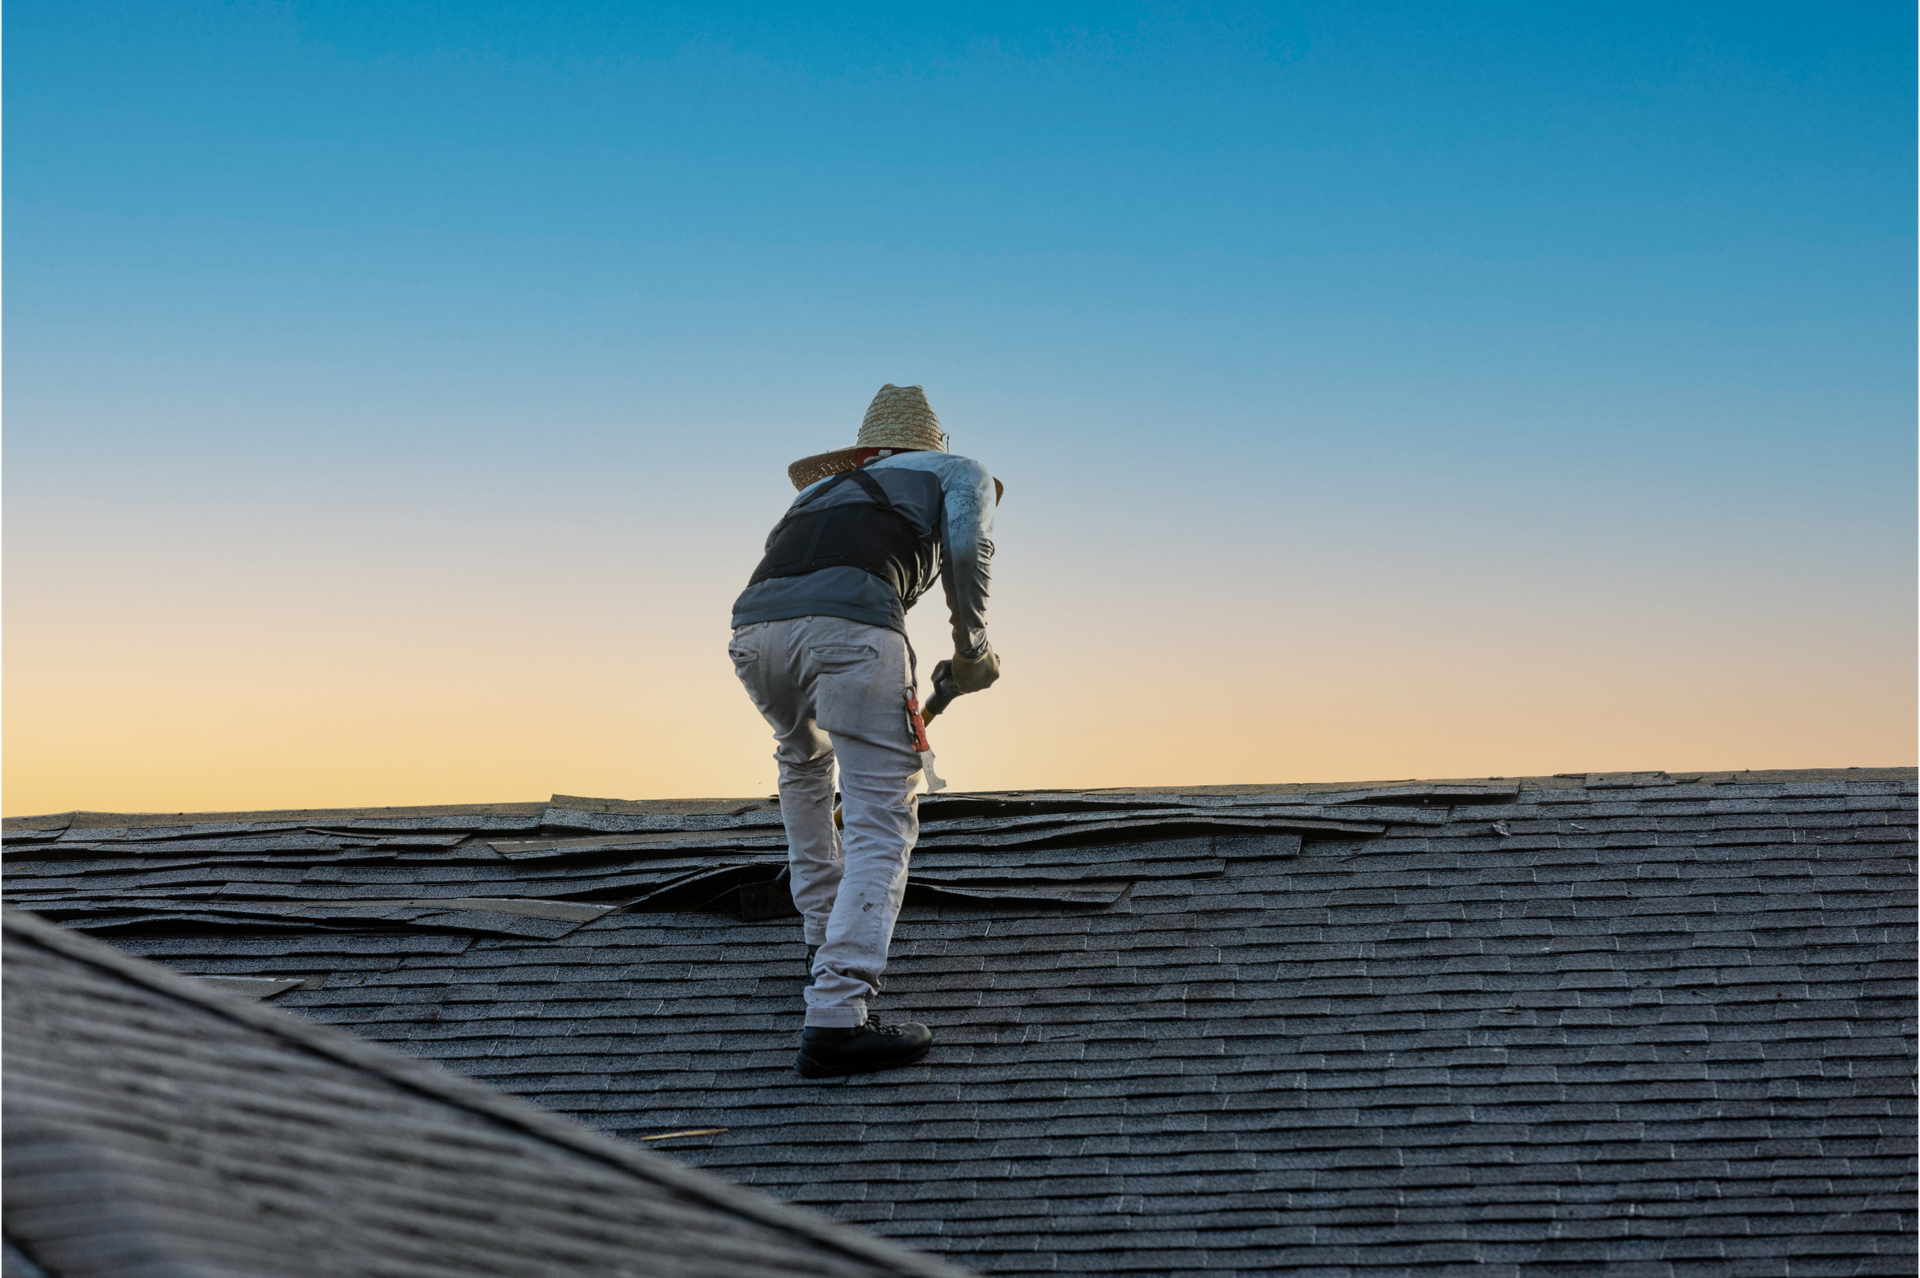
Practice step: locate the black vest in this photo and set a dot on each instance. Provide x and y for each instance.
(872, 536)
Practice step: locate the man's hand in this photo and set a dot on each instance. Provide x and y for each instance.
(976, 674)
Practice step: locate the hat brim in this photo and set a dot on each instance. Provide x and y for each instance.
(811, 470)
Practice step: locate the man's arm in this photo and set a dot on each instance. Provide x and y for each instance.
(966, 552)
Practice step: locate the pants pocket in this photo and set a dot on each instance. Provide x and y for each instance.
(841, 658)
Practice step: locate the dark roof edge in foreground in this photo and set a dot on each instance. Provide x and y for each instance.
(438, 1084)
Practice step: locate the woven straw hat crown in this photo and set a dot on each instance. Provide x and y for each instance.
(901, 417)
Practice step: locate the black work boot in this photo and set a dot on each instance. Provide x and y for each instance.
(830, 1053)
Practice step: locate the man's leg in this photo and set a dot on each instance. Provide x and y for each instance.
(813, 846)
(857, 677)
(882, 825)
(763, 656)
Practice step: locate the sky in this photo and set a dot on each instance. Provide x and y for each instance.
(397, 396)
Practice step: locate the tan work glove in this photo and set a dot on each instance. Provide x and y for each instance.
(976, 674)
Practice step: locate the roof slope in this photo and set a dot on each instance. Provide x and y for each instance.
(1661, 1025)
(153, 1127)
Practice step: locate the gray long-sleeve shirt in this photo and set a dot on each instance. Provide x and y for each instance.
(961, 528)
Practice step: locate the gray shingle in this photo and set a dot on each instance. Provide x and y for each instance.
(1428, 1048)
(153, 1123)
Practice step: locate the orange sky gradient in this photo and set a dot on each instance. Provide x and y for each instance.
(406, 665)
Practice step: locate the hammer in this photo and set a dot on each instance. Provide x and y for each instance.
(943, 692)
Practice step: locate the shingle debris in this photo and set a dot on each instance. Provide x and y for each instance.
(1556, 1023)
(514, 874)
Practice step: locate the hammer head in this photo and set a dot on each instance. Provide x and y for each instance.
(943, 692)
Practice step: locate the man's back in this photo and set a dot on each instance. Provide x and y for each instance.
(948, 500)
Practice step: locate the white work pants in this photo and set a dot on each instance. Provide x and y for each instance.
(832, 690)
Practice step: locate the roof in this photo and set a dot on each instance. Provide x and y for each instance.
(1658, 1023)
(156, 1126)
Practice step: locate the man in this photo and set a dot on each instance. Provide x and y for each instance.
(819, 640)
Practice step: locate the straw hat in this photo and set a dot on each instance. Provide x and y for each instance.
(899, 420)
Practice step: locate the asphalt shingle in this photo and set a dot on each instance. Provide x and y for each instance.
(156, 1126)
(1654, 1024)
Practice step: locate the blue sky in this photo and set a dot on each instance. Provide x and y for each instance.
(1599, 311)
(1703, 210)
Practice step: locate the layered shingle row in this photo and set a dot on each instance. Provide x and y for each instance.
(528, 870)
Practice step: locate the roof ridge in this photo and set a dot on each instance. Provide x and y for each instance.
(1556, 781)
(435, 1082)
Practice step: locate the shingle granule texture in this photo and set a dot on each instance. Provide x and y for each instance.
(154, 1127)
(1626, 1024)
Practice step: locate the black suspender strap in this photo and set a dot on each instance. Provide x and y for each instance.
(872, 485)
(858, 476)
